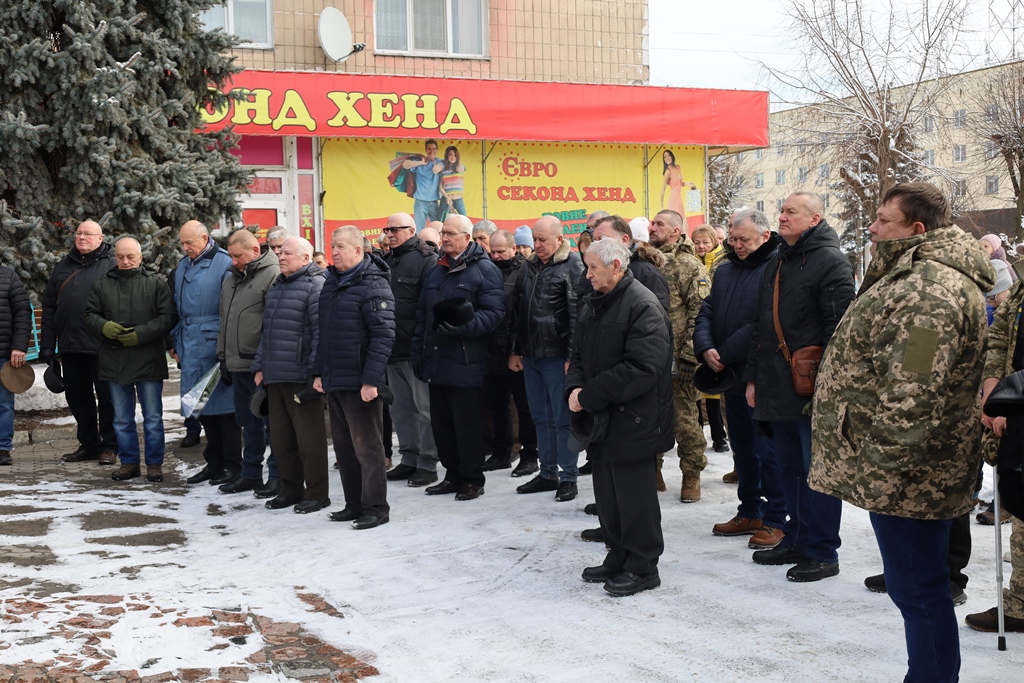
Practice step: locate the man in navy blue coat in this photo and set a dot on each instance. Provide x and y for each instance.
(451, 358)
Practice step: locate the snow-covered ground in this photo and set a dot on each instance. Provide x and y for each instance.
(489, 590)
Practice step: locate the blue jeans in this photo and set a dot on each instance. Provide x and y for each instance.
(753, 456)
(545, 389)
(917, 580)
(424, 211)
(254, 434)
(150, 395)
(457, 204)
(813, 526)
(411, 415)
(6, 415)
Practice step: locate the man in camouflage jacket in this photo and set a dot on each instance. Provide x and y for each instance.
(896, 418)
(688, 284)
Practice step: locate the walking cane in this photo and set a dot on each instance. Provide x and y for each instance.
(999, 558)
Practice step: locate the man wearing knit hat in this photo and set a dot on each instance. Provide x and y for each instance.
(524, 241)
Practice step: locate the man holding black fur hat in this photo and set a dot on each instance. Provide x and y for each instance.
(462, 301)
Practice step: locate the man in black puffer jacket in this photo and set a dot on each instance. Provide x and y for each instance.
(620, 372)
(357, 331)
(15, 326)
(63, 304)
(451, 358)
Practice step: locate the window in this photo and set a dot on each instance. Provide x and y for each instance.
(759, 180)
(929, 123)
(824, 170)
(929, 157)
(780, 149)
(991, 150)
(801, 174)
(991, 184)
(827, 201)
(992, 112)
(959, 188)
(780, 177)
(250, 20)
(759, 205)
(759, 154)
(453, 27)
(778, 204)
(739, 158)
(960, 118)
(959, 153)
(801, 147)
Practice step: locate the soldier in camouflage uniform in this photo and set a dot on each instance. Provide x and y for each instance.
(896, 420)
(688, 284)
(1003, 337)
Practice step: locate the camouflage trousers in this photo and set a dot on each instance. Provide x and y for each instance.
(690, 441)
(1013, 596)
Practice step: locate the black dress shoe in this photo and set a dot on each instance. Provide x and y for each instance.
(81, 455)
(191, 440)
(346, 514)
(370, 521)
(281, 502)
(401, 472)
(225, 477)
(590, 509)
(469, 492)
(497, 462)
(312, 505)
(721, 447)
(205, 474)
(566, 491)
(241, 484)
(628, 583)
(422, 478)
(876, 583)
(779, 555)
(271, 489)
(600, 573)
(812, 570)
(586, 468)
(525, 467)
(538, 484)
(446, 486)
(592, 535)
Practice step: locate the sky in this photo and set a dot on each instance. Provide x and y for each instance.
(699, 44)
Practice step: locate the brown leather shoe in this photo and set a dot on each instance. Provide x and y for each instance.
(731, 477)
(737, 526)
(108, 457)
(989, 621)
(766, 538)
(81, 455)
(125, 472)
(988, 518)
(660, 483)
(154, 473)
(690, 491)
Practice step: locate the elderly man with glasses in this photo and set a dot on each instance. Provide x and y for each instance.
(409, 259)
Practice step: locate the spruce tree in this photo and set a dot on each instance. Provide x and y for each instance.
(99, 111)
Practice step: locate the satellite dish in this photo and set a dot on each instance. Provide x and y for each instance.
(335, 34)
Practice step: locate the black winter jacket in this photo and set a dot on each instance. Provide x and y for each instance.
(458, 359)
(645, 263)
(291, 327)
(15, 313)
(500, 345)
(409, 265)
(357, 326)
(63, 309)
(815, 288)
(622, 359)
(545, 305)
(728, 315)
(139, 299)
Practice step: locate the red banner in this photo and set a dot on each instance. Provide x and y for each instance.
(327, 104)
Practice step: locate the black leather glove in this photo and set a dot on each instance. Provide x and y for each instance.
(447, 329)
(225, 374)
(46, 355)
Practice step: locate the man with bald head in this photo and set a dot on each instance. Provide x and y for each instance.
(130, 311)
(410, 258)
(197, 287)
(64, 302)
(242, 297)
(432, 235)
(545, 306)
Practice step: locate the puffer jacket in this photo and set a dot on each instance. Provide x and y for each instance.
(645, 263)
(242, 298)
(622, 360)
(138, 299)
(726, 319)
(357, 326)
(459, 359)
(409, 264)
(896, 423)
(814, 291)
(63, 305)
(500, 343)
(291, 324)
(545, 305)
(15, 313)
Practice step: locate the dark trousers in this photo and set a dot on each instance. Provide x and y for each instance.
(914, 554)
(386, 432)
(299, 441)
(498, 389)
(223, 442)
(254, 429)
(192, 425)
(715, 421)
(627, 505)
(959, 549)
(356, 432)
(753, 457)
(457, 424)
(86, 396)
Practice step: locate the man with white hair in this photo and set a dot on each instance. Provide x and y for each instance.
(275, 238)
(463, 300)
(482, 231)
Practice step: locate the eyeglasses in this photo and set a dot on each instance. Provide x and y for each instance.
(397, 228)
(451, 233)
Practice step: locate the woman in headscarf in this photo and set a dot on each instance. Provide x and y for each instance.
(993, 246)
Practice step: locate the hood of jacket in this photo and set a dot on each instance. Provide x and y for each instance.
(412, 244)
(105, 249)
(645, 252)
(252, 267)
(950, 246)
(760, 255)
(371, 266)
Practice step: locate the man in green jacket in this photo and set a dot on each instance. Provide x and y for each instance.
(131, 311)
(896, 418)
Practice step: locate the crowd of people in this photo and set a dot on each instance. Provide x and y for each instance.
(470, 339)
